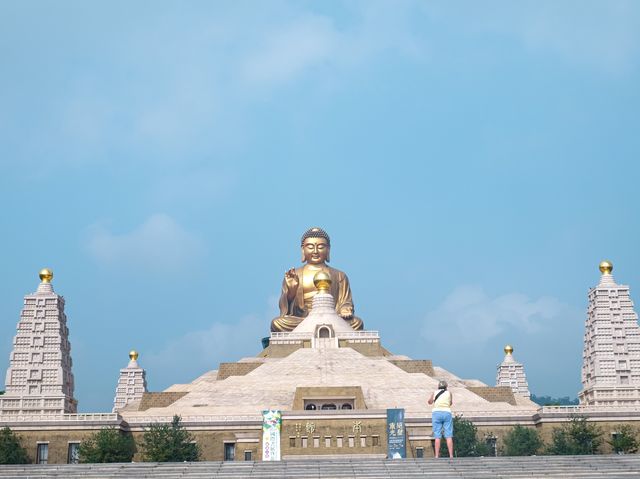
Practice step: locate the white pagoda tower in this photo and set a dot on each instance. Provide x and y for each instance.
(132, 383)
(511, 373)
(39, 379)
(611, 357)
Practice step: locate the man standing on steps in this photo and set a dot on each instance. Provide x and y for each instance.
(441, 417)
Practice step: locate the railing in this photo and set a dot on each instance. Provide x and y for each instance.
(588, 409)
(60, 417)
(347, 335)
(193, 419)
(502, 413)
(291, 336)
(359, 335)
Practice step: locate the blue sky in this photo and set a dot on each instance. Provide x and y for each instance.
(472, 162)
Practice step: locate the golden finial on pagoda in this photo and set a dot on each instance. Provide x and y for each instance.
(508, 349)
(46, 275)
(133, 355)
(606, 266)
(322, 281)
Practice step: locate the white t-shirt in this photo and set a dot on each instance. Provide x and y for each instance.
(443, 403)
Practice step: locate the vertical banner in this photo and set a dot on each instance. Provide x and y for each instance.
(271, 425)
(396, 443)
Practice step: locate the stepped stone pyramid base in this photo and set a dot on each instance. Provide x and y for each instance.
(489, 467)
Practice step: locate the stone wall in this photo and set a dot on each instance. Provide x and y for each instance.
(321, 434)
(211, 444)
(58, 441)
(607, 428)
(159, 399)
(424, 366)
(312, 436)
(279, 350)
(366, 349)
(303, 393)
(283, 350)
(546, 433)
(236, 369)
(494, 394)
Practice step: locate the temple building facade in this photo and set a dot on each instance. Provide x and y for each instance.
(39, 379)
(611, 357)
(324, 384)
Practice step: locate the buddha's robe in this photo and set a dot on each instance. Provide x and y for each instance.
(293, 312)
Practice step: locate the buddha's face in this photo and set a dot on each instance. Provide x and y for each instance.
(315, 251)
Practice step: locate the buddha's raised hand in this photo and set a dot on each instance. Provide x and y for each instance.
(292, 281)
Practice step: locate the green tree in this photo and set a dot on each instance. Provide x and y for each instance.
(11, 450)
(625, 441)
(465, 440)
(169, 443)
(575, 437)
(107, 445)
(522, 441)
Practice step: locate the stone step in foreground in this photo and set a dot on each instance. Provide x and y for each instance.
(490, 467)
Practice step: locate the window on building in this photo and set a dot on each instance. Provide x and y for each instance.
(347, 406)
(624, 379)
(352, 441)
(310, 407)
(327, 441)
(248, 456)
(491, 442)
(73, 453)
(375, 440)
(614, 436)
(339, 441)
(419, 452)
(304, 442)
(42, 453)
(329, 406)
(363, 441)
(316, 442)
(229, 451)
(292, 442)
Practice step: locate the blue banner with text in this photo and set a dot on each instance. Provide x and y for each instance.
(396, 443)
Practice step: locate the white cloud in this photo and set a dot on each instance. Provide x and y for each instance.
(198, 186)
(286, 52)
(600, 35)
(467, 332)
(158, 244)
(469, 315)
(184, 358)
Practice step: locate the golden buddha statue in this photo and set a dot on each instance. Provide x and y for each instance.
(298, 288)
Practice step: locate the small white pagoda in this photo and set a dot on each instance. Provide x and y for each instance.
(132, 383)
(511, 373)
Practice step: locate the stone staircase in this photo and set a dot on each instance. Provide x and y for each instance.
(484, 467)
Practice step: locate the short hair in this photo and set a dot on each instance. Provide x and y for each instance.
(315, 233)
(442, 384)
